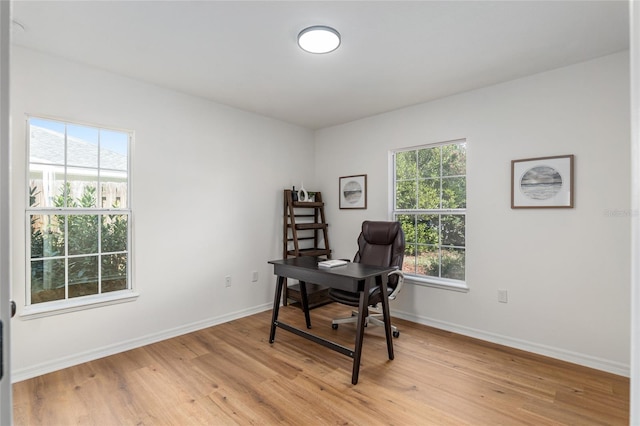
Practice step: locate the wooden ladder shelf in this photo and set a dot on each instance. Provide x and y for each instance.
(305, 233)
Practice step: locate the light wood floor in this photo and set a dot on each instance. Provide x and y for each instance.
(230, 374)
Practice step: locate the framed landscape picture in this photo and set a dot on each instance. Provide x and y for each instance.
(545, 182)
(353, 192)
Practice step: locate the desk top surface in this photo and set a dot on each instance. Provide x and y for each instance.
(351, 270)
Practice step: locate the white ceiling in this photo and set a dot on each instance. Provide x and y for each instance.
(393, 53)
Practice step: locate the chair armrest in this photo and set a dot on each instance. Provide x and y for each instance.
(395, 291)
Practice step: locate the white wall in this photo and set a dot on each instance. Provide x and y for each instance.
(567, 271)
(207, 186)
(634, 12)
(203, 172)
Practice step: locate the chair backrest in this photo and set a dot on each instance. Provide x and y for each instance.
(381, 244)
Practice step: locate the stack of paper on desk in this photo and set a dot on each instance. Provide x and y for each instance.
(332, 263)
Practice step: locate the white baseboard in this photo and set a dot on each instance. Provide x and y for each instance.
(557, 353)
(564, 355)
(64, 362)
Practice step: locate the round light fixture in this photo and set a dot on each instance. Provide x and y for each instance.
(319, 39)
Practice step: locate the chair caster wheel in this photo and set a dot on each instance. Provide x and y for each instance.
(396, 334)
(334, 326)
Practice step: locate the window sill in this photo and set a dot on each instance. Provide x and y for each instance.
(451, 285)
(88, 302)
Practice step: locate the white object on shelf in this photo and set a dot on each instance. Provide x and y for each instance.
(303, 195)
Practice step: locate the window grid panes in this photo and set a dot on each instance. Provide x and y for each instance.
(78, 210)
(430, 203)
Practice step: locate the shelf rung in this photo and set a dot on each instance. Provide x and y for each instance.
(307, 204)
(319, 225)
(304, 226)
(310, 252)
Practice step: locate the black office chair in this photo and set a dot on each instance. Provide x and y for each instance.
(379, 244)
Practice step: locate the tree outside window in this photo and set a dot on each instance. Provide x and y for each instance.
(430, 203)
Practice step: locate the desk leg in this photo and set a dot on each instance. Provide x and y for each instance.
(276, 308)
(386, 315)
(363, 310)
(305, 302)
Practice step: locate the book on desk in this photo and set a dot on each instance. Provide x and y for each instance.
(332, 263)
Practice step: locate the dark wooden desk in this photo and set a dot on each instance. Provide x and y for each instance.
(354, 277)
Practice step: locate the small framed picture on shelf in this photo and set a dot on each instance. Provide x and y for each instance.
(353, 192)
(545, 182)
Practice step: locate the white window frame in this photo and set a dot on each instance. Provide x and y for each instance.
(425, 280)
(55, 307)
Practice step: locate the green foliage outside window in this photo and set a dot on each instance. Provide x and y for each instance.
(430, 203)
(64, 244)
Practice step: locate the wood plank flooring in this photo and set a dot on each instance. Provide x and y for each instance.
(230, 374)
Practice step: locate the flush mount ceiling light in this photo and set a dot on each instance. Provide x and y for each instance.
(319, 39)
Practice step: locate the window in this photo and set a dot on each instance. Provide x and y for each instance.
(430, 202)
(78, 242)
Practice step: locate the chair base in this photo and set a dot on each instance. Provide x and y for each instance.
(375, 319)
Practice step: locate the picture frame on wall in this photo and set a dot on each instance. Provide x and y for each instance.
(353, 192)
(544, 182)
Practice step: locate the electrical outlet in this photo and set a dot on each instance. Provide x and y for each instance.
(502, 296)
(227, 281)
(254, 276)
